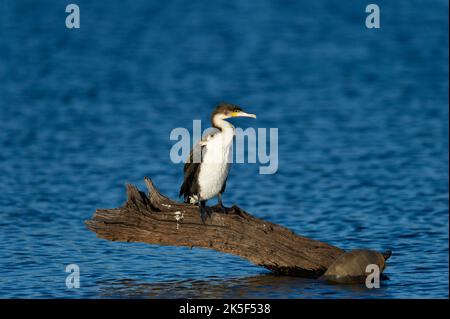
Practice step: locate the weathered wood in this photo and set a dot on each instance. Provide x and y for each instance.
(156, 219)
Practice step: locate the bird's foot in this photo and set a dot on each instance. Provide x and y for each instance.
(220, 208)
(205, 212)
(203, 216)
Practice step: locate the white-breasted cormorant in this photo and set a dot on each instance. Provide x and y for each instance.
(206, 170)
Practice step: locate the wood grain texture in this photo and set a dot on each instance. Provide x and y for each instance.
(155, 219)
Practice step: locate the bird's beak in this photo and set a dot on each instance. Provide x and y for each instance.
(242, 114)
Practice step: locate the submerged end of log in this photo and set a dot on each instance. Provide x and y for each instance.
(354, 266)
(155, 219)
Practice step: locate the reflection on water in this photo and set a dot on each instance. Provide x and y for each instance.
(260, 286)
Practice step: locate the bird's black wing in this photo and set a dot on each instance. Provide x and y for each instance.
(192, 168)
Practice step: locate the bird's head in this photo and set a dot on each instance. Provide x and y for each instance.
(226, 111)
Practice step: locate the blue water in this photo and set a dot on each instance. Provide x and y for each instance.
(363, 138)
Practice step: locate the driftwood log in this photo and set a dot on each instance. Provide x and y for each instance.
(155, 219)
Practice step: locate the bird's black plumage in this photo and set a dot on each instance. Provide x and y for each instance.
(190, 183)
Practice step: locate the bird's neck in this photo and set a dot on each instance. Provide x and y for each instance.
(221, 124)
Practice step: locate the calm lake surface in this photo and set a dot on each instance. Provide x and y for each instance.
(362, 118)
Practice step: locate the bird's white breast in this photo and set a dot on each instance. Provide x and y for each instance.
(215, 164)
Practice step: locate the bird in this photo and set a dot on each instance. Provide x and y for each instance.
(206, 169)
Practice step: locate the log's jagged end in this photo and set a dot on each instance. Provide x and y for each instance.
(154, 218)
(135, 198)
